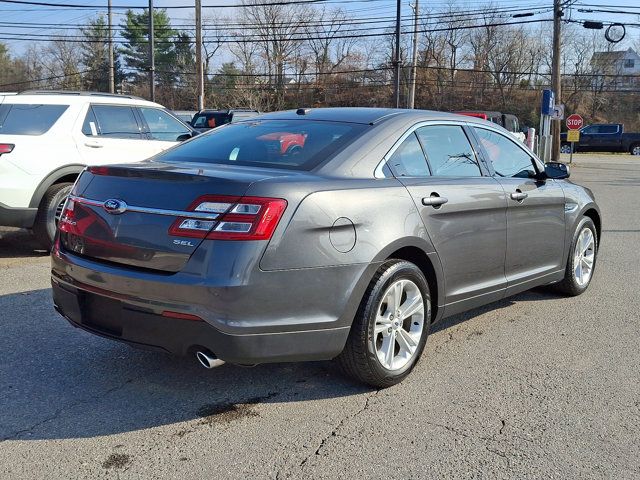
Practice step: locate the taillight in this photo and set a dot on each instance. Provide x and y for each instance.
(6, 148)
(245, 218)
(67, 222)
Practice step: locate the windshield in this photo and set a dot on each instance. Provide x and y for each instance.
(289, 144)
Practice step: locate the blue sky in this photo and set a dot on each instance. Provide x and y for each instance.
(55, 18)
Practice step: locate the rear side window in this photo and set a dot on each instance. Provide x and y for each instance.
(449, 152)
(408, 160)
(608, 129)
(289, 144)
(163, 126)
(115, 121)
(509, 160)
(28, 119)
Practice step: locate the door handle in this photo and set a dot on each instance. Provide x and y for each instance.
(93, 144)
(518, 196)
(434, 200)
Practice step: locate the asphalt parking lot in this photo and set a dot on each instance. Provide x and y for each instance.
(535, 386)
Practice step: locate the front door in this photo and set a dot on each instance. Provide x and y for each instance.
(535, 214)
(462, 209)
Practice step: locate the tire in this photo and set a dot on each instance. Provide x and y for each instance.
(365, 350)
(635, 149)
(46, 221)
(571, 285)
(565, 148)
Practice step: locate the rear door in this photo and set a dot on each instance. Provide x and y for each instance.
(609, 137)
(111, 134)
(463, 210)
(535, 214)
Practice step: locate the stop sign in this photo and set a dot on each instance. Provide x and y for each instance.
(574, 122)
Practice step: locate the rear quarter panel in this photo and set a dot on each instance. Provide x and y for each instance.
(351, 223)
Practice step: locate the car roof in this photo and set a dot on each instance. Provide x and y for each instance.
(365, 115)
(73, 98)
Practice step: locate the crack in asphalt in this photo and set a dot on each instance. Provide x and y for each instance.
(61, 410)
(334, 431)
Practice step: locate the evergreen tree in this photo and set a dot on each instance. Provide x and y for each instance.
(135, 51)
(95, 57)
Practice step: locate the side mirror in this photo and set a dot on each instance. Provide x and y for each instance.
(183, 137)
(556, 170)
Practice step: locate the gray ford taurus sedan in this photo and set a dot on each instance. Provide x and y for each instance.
(316, 234)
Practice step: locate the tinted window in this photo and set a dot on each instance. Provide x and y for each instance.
(449, 151)
(21, 119)
(408, 160)
(590, 129)
(291, 144)
(210, 120)
(509, 160)
(608, 129)
(116, 122)
(163, 126)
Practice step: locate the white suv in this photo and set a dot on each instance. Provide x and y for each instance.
(47, 138)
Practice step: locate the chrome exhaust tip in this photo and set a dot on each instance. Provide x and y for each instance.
(208, 360)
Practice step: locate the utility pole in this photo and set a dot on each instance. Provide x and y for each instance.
(199, 65)
(556, 81)
(152, 54)
(112, 68)
(396, 57)
(414, 57)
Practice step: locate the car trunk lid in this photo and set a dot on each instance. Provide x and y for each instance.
(126, 214)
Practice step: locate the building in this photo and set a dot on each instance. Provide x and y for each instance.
(616, 70)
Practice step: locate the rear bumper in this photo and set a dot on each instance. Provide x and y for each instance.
(279, 316)
(17, 217)
(150, 331)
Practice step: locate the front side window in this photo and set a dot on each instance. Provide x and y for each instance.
(163, 126)
(408, 160)
(448, 151)
(28, 119)
(115, 121)
(508, 159)
(289, 144)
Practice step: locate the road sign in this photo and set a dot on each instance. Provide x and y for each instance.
(558, 112)
(573, 136)
(574, 122)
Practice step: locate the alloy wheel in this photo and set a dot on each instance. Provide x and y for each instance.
(584, 257)
(635, 150)
(399, 324)
(565, 149)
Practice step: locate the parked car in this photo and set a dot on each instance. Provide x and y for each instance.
(47, 138)
(603, 137)
(208, 119)
(506, 120)
(382, 223)
(185, 115)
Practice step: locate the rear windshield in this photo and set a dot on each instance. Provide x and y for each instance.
(210, 120)
(28, 119)
(289, 144)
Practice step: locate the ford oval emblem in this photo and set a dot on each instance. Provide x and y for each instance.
(115, 206)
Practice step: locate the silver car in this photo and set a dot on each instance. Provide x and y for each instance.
(317, 234)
